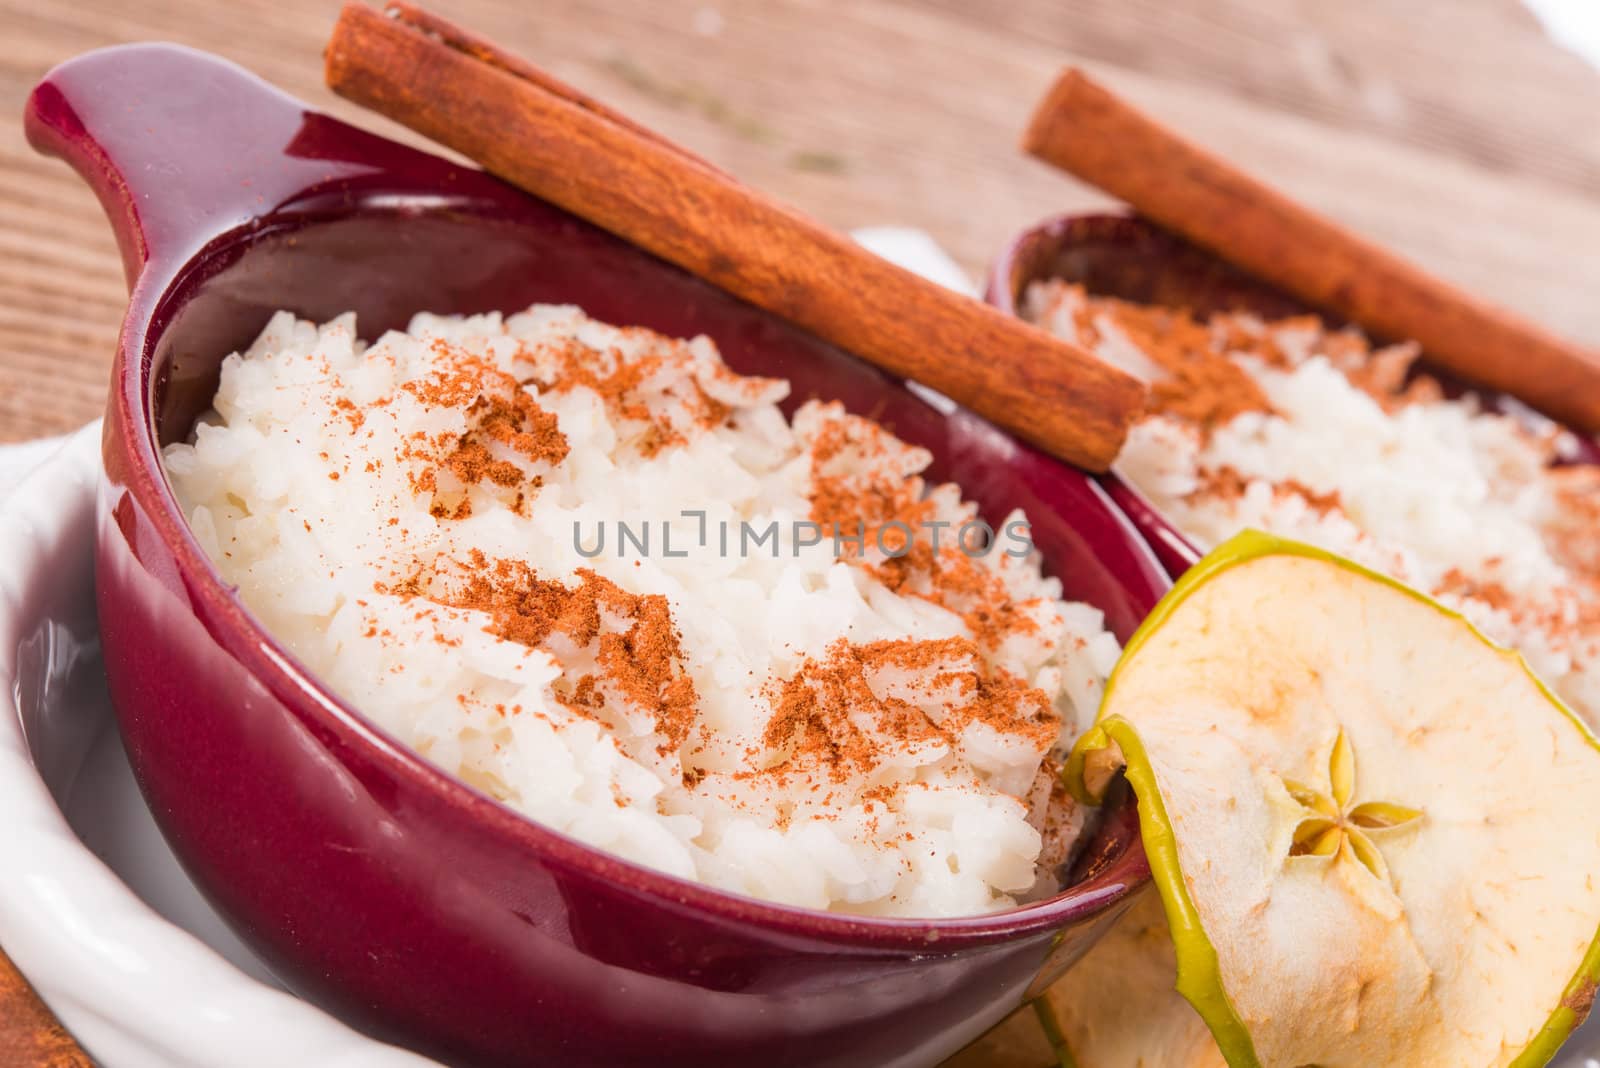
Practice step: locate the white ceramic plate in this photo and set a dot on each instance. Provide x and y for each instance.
(93, 907)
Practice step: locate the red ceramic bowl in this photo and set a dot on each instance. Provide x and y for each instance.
(1129, 257)
(372, 883)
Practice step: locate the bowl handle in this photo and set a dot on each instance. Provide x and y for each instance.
(179, 146)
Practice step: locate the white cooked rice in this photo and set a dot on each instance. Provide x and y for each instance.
(303, 488)
(1438, 493)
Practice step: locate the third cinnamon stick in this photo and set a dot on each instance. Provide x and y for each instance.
(1089, 132)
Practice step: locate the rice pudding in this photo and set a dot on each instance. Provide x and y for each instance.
(507, 541)
(1316, 435)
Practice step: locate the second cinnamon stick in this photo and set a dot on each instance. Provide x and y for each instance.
(1089, 132)
(415, 69)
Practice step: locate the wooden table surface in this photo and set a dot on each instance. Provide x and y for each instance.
(1451, 129)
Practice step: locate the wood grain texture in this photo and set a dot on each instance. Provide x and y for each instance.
(30, 1037)
(1453, 131)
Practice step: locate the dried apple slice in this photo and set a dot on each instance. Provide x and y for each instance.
(1117, 1007)
(1375, 835)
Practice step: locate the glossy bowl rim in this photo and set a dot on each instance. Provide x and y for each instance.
(1161, 535)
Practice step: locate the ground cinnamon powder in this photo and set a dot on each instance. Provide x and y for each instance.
(499, 412)
(828, 723)
(856, 483)
(1574, 532)
(617, 381)
(640, 650)
(858, 487)
(1199, 385)
(829, 720)
(1202, 385)
(1205, 388)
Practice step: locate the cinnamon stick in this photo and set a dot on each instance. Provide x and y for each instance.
(1086, 130)
(540, 135)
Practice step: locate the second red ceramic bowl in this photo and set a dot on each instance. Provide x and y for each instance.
(1129, 257)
